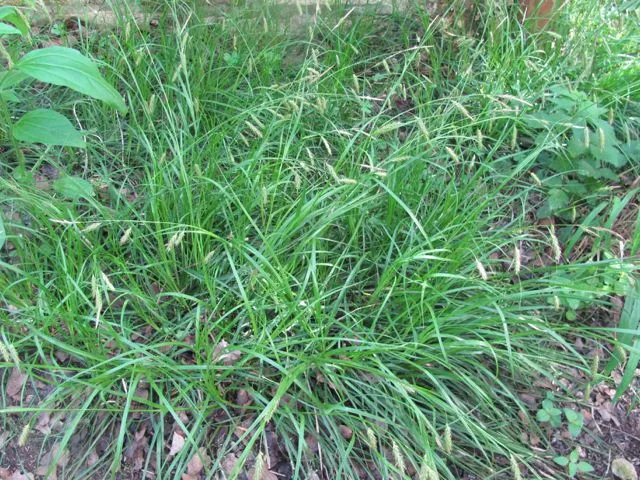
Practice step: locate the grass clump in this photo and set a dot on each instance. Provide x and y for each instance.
(308, 239)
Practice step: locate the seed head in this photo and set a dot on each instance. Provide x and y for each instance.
(125, 236)
(515, 469)
(372, 441)
(4, 353)
(481, 270)
(447, 441)
(398, 458)
(24, 435)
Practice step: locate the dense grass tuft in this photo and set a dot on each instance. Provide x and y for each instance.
(298, 232)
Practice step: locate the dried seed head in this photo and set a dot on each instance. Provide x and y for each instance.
(174, 241)
(555, 244)
(348, 181)
(174, 77)
(326, 145)
(556, 302)
(151, 104)
(398, 458)
(125, 236)
(259, 468)
(463, 110)
(452, 154)
(595, 365)
(427, 472)
(620, 352)
(601, 139)
(91, 227)
(4, 54)
(447, 440)
(536, 180)
(256, 131)
(515, 468)
(98, 309)
(517, 259)
(514, 138)
(423, 128)
(24, 435)
(13, 354)
(481, 271)
(94, 286)
(4, 353)
(209, 256)
(356, 84)
(611, 116)
(386, 66)
(372, 441)
(587, 137)
(107, 282)
(479, 138)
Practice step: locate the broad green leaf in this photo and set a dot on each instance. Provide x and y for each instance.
(547, 404)
(543, 416)
(562, 461)
(571, 415)
(11, 78)
(629, 321)
(558, 199)
(74, 188)
(585, 467)
(575, 428)
(9, 96)
(11, 15)
(574, 455)
(573, 469)
(6, 29)
(555, 412)
(610, 154)
(631, 308)
(69, 68)
(48, 127)
(3, 233)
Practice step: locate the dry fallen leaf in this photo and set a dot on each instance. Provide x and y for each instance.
(624, 469)
(53, 455)
(177, 442)
(18, 475)
(15, 383)
(229, 463)
(43, 423)
(198, 462)
(92, 458)
(346, 432)
(263, 472)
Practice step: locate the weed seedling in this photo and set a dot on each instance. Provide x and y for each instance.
(573, 463)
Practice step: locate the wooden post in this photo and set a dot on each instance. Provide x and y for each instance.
(538, 11)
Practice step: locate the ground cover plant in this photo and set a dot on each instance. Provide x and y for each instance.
(361, 245)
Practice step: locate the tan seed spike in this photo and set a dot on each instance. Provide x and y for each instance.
(372, 441)
(515, 469)
(125, 236)
(447, 442)
(398, 458)
(483, 273)
(13, 353)
(24, 435)
(517, 260)
(555, 244)
(4, 353)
